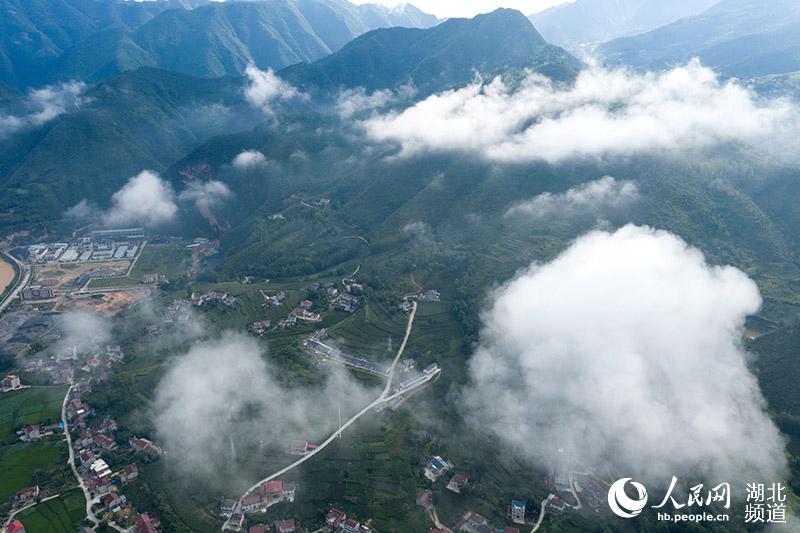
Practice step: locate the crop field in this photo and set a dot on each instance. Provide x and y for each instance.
(374, 332)
(29, 406)
(64, 514)
(40, 463)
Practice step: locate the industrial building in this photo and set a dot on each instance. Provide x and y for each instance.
(35, 293)
(118, 234)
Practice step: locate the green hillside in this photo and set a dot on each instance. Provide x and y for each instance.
(432, 59)
(741, 38)
(33, 33)
(92, 40)
(778, 370)
(326, 203)
(139, 120)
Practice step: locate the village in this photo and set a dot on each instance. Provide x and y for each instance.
(95, 447)
(276, 491)
(103, 465)
(520, 512)
(327, 297)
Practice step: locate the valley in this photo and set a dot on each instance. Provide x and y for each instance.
(318, 265)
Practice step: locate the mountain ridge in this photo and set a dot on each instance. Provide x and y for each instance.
(93, 40)
(595, 21)
(738, 38)
(437, 58)
(143, 119)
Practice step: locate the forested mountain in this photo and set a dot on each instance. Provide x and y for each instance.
(34, 33)
(460, 199)
(597, 21)
(147, 118)
(377, 186)
(93, 39)
(739, 38)
(447, 55)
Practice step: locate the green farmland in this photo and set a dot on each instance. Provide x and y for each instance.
(64, 514)
(39, 463)
(29, 406)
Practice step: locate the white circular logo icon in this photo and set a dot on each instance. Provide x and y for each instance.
(623, 505)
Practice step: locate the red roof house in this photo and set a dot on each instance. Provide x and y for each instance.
(285, 526)
(15, 527)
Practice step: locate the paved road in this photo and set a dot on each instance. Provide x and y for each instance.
(436, 521)
(89, 513)
(384, 397)
(400, 351)
(541, 516)
(127, 273)
(34, 504)
(577, 506)
(359, 237)
(574, 492)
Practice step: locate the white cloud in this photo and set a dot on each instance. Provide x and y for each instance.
(145, 199)
(249, 159)
(224, 391)
(266, 88)
(205, 195)
(352, 101)
(605, 113)
(594, 197)
(82, 210)
(43, 105)
(416, 228)
(355, 101)
(625, 351)
(82, 331)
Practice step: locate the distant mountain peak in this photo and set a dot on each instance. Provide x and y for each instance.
(444, 56)
(92, 40)
(596, 21)
(402, 7)
(738, 38)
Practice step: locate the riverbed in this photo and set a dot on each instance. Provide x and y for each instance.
(6, 274)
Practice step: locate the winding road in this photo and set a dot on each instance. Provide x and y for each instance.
(89, 513)
(383, 398)
(578, 505)
(436, 521)
(541, 516)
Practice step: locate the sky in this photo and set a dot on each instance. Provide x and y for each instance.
(469, 8)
